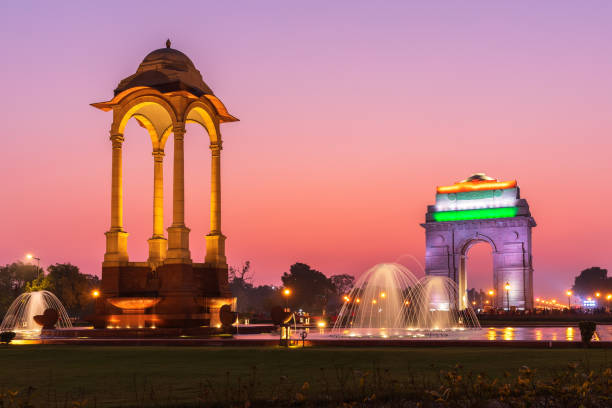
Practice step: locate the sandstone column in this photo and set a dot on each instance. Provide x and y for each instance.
(215, 241)
(116, 237)
(157, 243)
(178, 233)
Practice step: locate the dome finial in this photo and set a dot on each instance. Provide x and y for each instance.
(168, 43)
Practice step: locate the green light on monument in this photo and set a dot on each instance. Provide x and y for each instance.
(482, 213)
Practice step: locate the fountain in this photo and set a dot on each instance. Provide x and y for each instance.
(20, 315)
(389, 301)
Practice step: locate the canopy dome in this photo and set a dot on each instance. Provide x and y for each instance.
(167, 70)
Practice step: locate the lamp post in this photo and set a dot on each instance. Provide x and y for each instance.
(30, 257)
(286, 294)
(491, 293)
(569, 299)
(507, 287)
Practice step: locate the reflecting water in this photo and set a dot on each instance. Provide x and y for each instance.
(604, 333)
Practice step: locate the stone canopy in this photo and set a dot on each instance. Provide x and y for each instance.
(167, 70)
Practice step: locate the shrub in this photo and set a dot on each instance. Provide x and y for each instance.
(587, 329)
(7, 337)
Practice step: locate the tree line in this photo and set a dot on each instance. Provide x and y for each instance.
(310, 290)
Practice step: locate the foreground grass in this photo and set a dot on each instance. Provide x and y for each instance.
(167, 376)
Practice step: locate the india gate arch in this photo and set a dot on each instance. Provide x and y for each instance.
(482, 209)
(168, 289)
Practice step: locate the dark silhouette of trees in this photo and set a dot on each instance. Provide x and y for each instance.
(13, 281)
(343, 283)
(255, 300)
(310, 289)
(591, 280)
(70, 286)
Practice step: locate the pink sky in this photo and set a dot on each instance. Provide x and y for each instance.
(351, 113)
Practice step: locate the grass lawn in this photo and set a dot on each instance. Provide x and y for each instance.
(124, 376)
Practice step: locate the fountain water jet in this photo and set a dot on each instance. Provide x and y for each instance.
(20, 315)
(389, 301)
(436, 306)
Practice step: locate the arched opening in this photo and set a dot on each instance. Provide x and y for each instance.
(142, 137)
(137, 189)
(197, 188)
(479, 274)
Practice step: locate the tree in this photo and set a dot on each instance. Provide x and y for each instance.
(14, 279)
(591, 280)
(343, 283)
(71, 287)
(255, 300)
(310, 289)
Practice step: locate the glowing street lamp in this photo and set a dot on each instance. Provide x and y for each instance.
(357, 300)
(286, 294)
(29, 257)
(347, 299)
(383, 295)
(597, 294)
(569, 299)
(491, 293)
(95, 293)
(507, 287)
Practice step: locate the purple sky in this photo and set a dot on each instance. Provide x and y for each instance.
(351, 113)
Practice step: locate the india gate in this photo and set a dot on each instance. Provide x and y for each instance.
(482, 209)
(167, 289)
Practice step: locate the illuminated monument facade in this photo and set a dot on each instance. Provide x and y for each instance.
(482, 209)
(168, 289)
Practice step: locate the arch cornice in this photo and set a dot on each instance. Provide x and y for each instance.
(203, 113)
(467, 242)
(138, 105)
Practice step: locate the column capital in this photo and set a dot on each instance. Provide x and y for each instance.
(216, 148)
(158, 155)
(178, 128)
(116, 139)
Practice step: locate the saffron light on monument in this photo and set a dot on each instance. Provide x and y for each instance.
(474, 210)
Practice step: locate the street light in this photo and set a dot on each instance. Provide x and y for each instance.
(507, 287)
(95, 293)
(569, 299)
(286, 294)
(30, 257)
